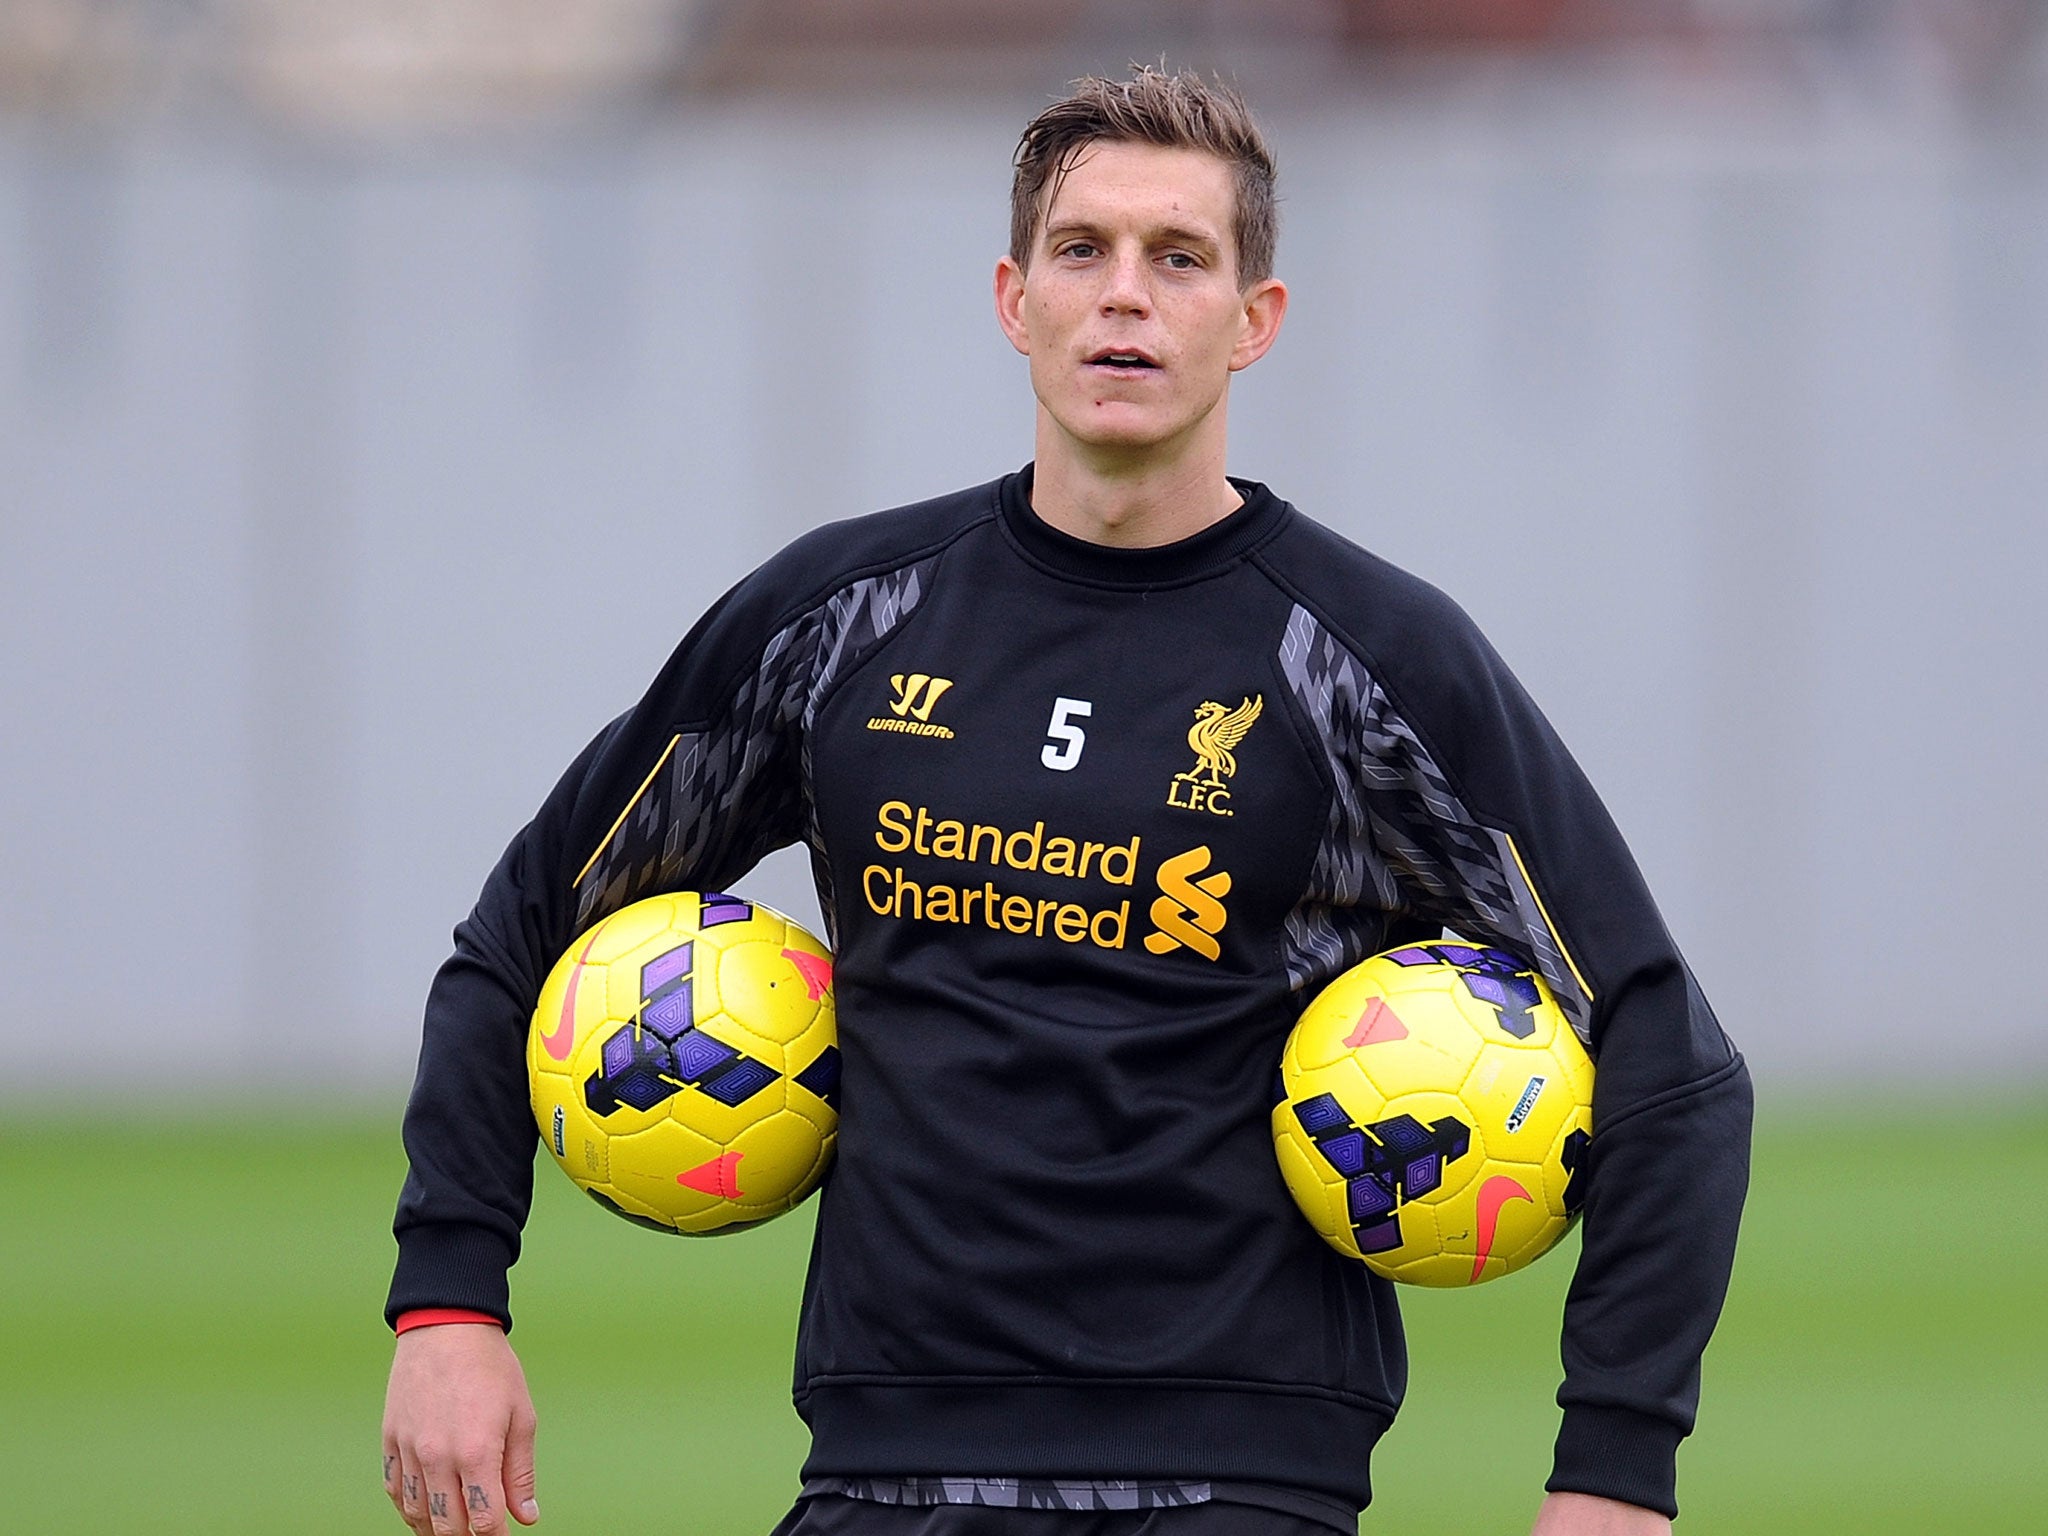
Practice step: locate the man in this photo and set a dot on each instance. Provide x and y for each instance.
(1057, 1286)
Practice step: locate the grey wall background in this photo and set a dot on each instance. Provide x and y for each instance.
(344, 491)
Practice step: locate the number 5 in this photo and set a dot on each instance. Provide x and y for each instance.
(1070, 737)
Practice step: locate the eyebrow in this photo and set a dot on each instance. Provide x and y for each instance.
(1177, 234)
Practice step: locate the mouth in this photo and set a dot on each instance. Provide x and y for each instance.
(1124, 360)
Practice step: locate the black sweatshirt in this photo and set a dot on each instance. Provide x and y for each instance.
(1069, 944)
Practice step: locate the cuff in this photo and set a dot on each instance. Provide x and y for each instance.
(446, 1266)
(1615, 1453)
(429, 1317)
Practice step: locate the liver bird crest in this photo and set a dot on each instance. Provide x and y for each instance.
(1217, 731)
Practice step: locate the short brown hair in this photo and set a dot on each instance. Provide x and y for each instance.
(1174, 111)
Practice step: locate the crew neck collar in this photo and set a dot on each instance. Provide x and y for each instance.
(1188, 559)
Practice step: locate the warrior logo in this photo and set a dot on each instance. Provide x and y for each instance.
(917, 694)
(1189, 911)
(1214, 737)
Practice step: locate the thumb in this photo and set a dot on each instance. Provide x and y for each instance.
(519, 1494)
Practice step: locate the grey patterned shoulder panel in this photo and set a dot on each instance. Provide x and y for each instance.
(727, 794)
(1399, 840)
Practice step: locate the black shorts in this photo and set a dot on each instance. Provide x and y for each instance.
(832, 1515)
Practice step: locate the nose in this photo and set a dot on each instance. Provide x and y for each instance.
(1125, 289)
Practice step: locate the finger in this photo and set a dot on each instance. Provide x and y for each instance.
(446, 1515)
(391, 1485)
(483, 1502)
(412, 1495)
(518, 1473)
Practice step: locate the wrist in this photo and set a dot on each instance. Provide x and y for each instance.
(1587, 1514)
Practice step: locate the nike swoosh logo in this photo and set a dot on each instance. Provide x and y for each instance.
(559, 1040)
(1493, 1194)
(816, 971)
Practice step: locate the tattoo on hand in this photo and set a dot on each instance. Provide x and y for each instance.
(388, 1460)
(412, 1489)
(479, 1501)
(438, 1506)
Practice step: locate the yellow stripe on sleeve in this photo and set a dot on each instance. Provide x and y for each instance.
(606, 841)
(1556, 937)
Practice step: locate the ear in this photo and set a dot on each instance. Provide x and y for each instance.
(1265, 306)
(1010, 303)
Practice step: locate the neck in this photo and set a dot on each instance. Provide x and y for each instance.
(1134, 499)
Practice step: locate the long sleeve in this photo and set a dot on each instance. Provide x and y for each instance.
(707, 773)
(1455, 804)
(689, 788)
(1491, 829)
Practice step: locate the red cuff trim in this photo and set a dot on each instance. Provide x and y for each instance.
(428, 1317)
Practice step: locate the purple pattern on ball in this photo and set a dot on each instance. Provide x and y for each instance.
(1319, 1112)
(1453, 1137)
(1403, 1134)
(1380, 1239)
(745, 1080)
(1486, 989)
(671, 1015)
(1423, 1175)
(618, 1053)
(697, 1053)
(1346, 1153)
(643, 1089)
(1412, 957)
(1369, 1198)
(822, 1076)
(721, 908)
(663, 969)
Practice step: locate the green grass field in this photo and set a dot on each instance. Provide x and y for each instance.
(190, 1342)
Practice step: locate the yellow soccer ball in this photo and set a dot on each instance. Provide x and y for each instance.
(684, 1064)
(1434, 1115)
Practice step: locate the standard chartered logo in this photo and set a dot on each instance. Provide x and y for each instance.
(1051, 883)
(1070, 866)
(1189, 911)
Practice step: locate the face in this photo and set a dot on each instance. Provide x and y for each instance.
(1129, 307)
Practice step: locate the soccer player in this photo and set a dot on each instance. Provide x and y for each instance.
(1057, 1287)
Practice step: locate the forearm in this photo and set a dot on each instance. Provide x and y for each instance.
(1664, 1200)
(469, 1137)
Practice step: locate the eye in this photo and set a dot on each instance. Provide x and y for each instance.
(1181, 261)
(1080, 250)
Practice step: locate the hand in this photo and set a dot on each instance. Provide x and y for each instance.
(1582, 1514)
(458, 1432)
